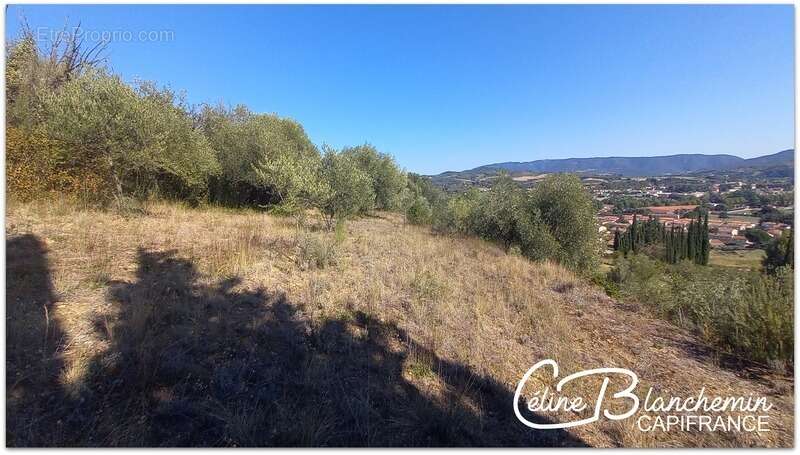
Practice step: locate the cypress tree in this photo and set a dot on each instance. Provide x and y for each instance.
(698, 248)
(706, 246)
(679, 243)
(684, 244)
(668, 248)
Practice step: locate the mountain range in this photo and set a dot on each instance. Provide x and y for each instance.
(634, 166)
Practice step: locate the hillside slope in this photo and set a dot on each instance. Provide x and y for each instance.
(785, 157)
(218, 327)
(636, 166)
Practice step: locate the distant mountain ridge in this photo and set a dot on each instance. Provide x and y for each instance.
(637, 166)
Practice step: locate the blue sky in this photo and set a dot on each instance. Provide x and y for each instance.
(453, 87)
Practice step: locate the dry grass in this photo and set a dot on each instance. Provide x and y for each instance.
(219, 327)
(740, 259)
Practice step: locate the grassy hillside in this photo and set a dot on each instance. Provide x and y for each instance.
(218, 327)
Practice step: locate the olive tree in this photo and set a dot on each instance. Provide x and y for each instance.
(135, 136)
(344, 189)
(567, 212)
(36, 68)
(387, 179)
(263, 158)
(419, 211)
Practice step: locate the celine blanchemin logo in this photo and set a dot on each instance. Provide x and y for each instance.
(698, 412)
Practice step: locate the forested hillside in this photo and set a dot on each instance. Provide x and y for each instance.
(636, 166)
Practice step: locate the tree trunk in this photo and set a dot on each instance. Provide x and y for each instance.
(117, 181)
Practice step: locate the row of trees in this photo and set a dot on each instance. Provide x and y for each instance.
(552, 221)
(678, 243)
(688, 244)
(638, 235)
(75, 128)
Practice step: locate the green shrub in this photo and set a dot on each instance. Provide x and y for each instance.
(345, 190)
(780, 252)
(419, 212)
(758, 236)
(316, 250)
(263, 158)
(744, 312)
(387, 179)
(567, 211)
(610, 287)
(555, 221)
(136, 136)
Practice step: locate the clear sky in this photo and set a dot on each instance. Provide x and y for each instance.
(453, 87)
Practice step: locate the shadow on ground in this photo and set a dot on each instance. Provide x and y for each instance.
(191, 364)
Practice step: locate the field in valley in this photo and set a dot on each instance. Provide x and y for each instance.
(741, 259)
(211, 326)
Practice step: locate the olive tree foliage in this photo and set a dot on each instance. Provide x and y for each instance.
(35, 69)
(507, 214)
(263, 158)
(25, 82)
(138, 136)
(779, 252)
(458, 214)
(139, 140)
(419, 211)
(567, 211)
(387, 179)
(421, 200)
(554, 221)
(421, 185)
(501, 215)
(344, 190)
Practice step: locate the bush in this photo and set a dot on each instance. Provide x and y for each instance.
(344, 189)
(133, 137)
(553, 222)
(33, 170)
(759, 237)
(780, 252)
(263, 158)
(610, 287)
(457, 214)
(419, 212)
(387, 179)
(743, 312)
(421, 185)
(567, 211)
(501, 214)
(316, 250)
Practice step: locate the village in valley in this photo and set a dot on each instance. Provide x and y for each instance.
(743, 215)
(747, 207)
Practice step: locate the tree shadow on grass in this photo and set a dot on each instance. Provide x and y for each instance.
(193, 364)
(33, 341)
